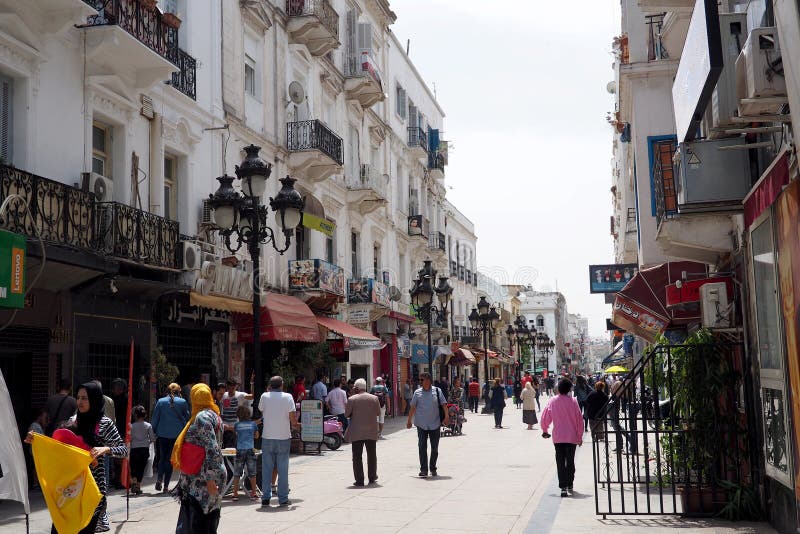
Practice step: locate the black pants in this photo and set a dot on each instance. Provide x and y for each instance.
(422, 437)
(192, 520)
(88, 529)
(565, 464)
(139, 456)
(358, 460)
(473, 404)
(498, 416)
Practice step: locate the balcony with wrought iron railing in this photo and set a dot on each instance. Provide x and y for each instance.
(314, 149)
(132, 35)
(185, 80)
(418, 141)
(313, 23)
(368, 189)
(132, 234)
(363, 80)
(436, 163)
(437, 242)
(664, 180)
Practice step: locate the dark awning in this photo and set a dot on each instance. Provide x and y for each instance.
(283, 318)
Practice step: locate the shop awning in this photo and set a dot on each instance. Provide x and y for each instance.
(354, 337)
(461, 357)
(466, 354)
(283, 318)
(640, 307)
(610, 358)
(217, 302)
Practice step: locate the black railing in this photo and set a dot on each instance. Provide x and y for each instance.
(453, 268)
(314, 135)
(436, 162)
(127, 232)
(63, 214)
(655, 44)
(318, 8)
(146, 25)
(185, 80)
(664, 180)
(667, 442)
(417, 137)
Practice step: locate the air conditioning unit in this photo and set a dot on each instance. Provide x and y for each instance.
(760, 84)
(716, 311)
(211, 257)
(192, 256)
(102, 187)
(724, 101)
(711, 177)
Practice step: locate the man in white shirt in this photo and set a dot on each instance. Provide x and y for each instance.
(230, 403)
(337, 402)
(278, 412)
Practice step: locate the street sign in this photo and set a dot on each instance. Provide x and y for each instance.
(12, 270)
(311, 421)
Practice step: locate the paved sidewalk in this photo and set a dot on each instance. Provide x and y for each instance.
(490, 481)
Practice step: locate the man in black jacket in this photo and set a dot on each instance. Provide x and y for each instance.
(593, 408)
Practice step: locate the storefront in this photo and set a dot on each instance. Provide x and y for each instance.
(354, 347)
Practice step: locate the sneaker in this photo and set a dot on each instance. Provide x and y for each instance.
(569, 490)
(253, 496)
(423, 474)
(158, 485)
(264, 502)
(433, 472)
(563, 493)
(284, 504)
(359, 484)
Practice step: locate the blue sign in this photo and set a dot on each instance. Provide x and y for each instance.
(610, 278)
(419, 354)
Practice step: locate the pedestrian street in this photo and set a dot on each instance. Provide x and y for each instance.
(489, 480)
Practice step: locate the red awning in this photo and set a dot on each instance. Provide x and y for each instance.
(767, 189)
(283, 318)
(641, 306)
(354, 337)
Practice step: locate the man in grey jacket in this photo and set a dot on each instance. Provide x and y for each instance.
(363, 409)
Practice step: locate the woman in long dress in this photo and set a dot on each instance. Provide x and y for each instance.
(529, 395)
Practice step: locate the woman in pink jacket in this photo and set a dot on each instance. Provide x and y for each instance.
(564, 414)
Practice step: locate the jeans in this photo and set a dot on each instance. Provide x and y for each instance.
(358, 460)
(473, 404)
(565, 464)
(498, 416)
(422, 437)
(275, 455)
(164, 454)
(539, 406)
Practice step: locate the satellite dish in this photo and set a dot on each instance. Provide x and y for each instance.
(297, 93)
(394, 294)
(611, 87)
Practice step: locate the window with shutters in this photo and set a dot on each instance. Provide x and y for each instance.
(170, 188)
(330, 251)
(400, 101)
(101, 149)
(376, 260)
(302, 243)
(6, 124)
(354, 255)
(412, 113)
(249, 75)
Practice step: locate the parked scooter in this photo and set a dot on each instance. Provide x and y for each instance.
(332, 433)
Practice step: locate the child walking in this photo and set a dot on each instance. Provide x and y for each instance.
(142, 436)
(246, 434)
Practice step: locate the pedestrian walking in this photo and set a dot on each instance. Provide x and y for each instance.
(428, 413)
(198, 457)
(142, 436)
(582, 392)
(407, 394)
(537, 387)
(497, 400)
(170, 416)
(278, 412)
(382, 392)
(363, 409)
(593, 410)
(518, 393)
(474, 390)
(529, 396)
(457, 395)
(246, 434)
(563, 414)
(60, 407)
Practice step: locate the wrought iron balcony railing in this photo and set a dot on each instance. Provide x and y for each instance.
(417, 137)
(453, 268)
(436, 162)
(314, 135)
(140, 236)
(63, 214)
(185, 80)
(145, 24)
(664, 180)
(436, 240)
(318, 8)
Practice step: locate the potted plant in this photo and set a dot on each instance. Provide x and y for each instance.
(171, 20)
(149, 5)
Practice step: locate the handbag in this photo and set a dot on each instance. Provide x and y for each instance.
(192, 457)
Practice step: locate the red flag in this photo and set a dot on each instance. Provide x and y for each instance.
(125, 475)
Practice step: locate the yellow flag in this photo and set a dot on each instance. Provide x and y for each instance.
(69, 489)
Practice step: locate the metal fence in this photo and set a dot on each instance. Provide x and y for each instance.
(314, 135)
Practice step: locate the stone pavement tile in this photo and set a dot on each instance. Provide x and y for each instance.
(480, 506)
(463, 520)
(411, 505)
(395, 519)
(333, 526)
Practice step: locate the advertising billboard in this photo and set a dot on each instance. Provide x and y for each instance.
(610, 278)
(368, 291)
(316, 274)
(12, 270)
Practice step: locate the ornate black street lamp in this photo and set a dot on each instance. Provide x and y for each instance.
(484, 318)
(242, 220)
(424, 295)
(545, 346)
(520, 333)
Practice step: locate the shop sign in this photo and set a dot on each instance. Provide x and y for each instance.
(419, 354)
(178, 312)
(368, 290)
(311, 421)
(316, 274)
(637, 318)
(12, 270)
(223, 280)
(610, 278)
(319, 224)
(358, 315)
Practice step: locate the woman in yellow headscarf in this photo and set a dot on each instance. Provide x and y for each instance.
(200, 493)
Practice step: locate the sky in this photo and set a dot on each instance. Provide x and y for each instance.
(524, 91)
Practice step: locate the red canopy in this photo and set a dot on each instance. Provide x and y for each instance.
(354, 337)
(283, 318)
(641, 308)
